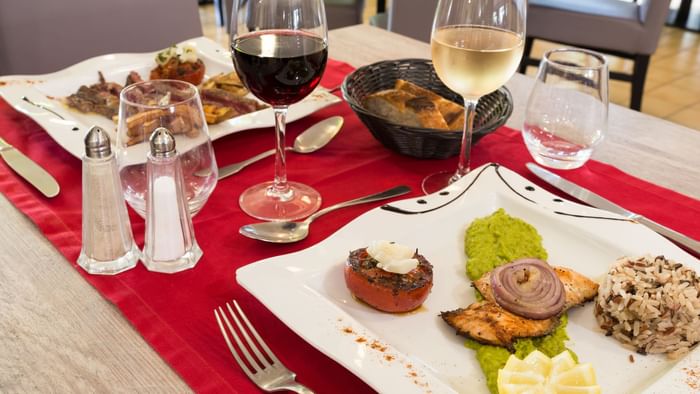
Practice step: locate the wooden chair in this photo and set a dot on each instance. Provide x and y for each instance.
(44, 36)
(626, 29)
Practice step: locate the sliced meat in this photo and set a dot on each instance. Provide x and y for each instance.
(488, 323)
(241, 105)
(108, 87)
(101, 98)
(88, 99)
(133, 78)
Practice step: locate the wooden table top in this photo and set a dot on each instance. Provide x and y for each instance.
(58, 334)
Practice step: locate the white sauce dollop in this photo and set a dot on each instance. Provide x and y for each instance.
(392, 257)
(188, 54)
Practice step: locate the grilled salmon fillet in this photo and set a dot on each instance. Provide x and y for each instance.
(487, 322)
(577, 287)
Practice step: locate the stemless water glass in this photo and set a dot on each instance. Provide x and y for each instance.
(567, 112)
(175, 105)
(279, 49)
(476, 47)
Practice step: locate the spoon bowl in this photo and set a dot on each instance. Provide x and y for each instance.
(287, 232)
(309, 141)
(318, 135)
(276, 232)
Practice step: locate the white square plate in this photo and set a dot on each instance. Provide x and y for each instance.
(47, 90)
(417, 352)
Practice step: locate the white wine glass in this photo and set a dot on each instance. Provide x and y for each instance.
(476, 46)
(279, 49)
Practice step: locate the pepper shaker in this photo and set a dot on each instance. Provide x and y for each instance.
(108, 245)
(170, 243)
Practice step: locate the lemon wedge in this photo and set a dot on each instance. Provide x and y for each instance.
(539, 374)
(574, 390)
(561, 362)
(523, 378)
(578, 375)
(521, 389)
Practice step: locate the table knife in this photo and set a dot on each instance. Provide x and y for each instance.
(597, 201)
(29, 170)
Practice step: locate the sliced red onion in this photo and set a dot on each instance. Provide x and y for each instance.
(529, 288)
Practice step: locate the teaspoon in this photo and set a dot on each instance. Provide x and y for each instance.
(287, 232)
(310, 140)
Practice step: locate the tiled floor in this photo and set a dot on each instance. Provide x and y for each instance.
(672, 88)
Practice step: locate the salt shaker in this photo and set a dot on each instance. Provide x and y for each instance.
(108, 244)
(170, 243)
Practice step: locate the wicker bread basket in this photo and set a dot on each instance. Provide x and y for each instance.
(492, 111)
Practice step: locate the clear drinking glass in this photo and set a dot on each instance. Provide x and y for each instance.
(567, 112)
(175, 105)
(476, 47)
(279, 49)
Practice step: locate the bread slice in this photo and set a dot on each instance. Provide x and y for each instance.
(404, 108)
(452, 112)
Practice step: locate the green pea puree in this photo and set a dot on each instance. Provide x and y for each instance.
(492, 241)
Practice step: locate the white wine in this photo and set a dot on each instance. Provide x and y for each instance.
(475, 60)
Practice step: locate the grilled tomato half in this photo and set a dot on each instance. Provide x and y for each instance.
(192, 72)
(384, 290)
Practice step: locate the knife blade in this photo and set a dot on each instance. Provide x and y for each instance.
(29, 170)
(597, 201)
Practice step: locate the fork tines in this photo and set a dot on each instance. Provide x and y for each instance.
(262, 366)
(260, 361)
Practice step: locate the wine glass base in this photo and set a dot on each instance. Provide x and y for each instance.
(262, 202)
(438, 181)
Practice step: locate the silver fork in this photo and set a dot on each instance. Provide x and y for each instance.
(266, 371)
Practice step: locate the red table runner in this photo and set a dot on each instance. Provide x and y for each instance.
(174, 313)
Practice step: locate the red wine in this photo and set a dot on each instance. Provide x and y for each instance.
(280, 67)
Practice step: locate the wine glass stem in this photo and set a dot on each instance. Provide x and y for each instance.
(280, 187)
(465, 152)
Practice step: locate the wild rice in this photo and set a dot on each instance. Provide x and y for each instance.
(651, 304)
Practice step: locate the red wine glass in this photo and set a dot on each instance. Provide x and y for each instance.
(279, 50)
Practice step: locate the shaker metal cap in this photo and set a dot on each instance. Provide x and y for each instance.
(97, 143)
(162, 143)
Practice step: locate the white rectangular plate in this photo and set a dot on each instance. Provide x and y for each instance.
(417, 352)
(48, 89)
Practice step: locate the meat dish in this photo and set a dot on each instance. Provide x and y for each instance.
(222, 96)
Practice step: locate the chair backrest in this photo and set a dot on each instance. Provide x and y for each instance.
(42, 36)
(339, 13)
(413, 18)
(618, 25)
(652, 14)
